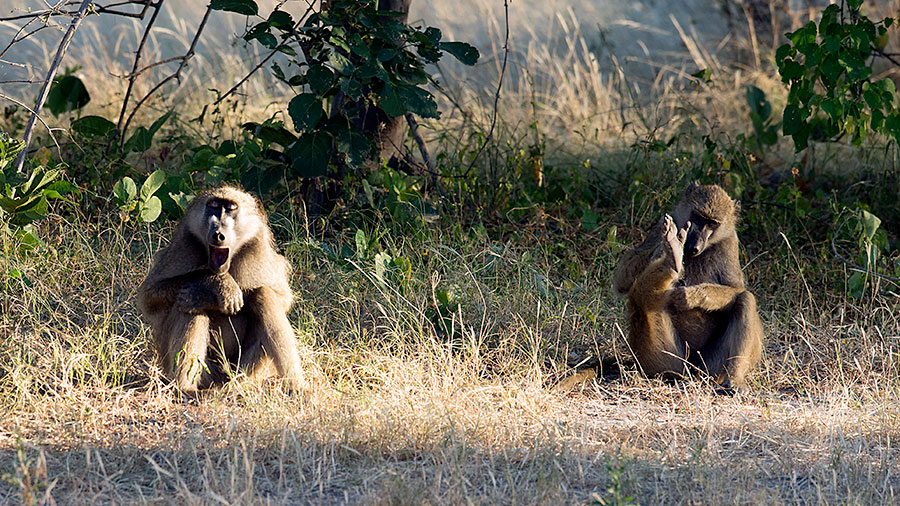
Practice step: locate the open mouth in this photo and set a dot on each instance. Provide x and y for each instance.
(218, 257)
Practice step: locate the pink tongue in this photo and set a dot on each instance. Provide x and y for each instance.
(218, 257)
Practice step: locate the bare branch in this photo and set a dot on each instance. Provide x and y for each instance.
(490, 134)
(175, 75)
(99, 9)
(133, 75)
(49, 130)
(244, 79)
(51, 73)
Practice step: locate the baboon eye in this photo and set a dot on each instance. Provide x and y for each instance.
(213, 204)
(231, 206)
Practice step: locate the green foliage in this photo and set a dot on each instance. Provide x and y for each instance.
(93, 127)
(354, 58)
(616, 495)
(142, 138)
(24, 197)
(869, 244)
(765, 130)
(146, 206)
(67, 93)
(828, 68)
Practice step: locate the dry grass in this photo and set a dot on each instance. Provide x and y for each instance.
(412, 410)
(407, 414)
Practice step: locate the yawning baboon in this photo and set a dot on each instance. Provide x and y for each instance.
(687, 305)
(217, 296)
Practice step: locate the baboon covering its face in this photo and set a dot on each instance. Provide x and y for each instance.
(217, 296)
(687, 305)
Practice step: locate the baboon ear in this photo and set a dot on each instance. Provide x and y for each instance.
(691, 187)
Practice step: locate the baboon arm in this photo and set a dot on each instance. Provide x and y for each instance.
(705, 296)
(155, 296)
(636, 260)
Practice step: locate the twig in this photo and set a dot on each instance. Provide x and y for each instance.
(490, 134)
(264, 60)
(49, 130)
(133, 76)
(244, 79)
(414, 130)
(175, 75)
(51, 74)
(99, 9)
(423, 150)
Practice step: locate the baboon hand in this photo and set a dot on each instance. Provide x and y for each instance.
(685, 298)
(230, 295)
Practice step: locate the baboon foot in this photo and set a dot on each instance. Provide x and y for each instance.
(673, 244)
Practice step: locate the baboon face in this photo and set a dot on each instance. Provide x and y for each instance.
(699, 234)
(224, 222)
(708, 213)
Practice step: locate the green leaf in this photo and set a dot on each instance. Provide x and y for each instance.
(271, 134)
(181, 199)
(341, 64)
(142, 138)
(756, 99)
(465, 53)
(832, 69)
(361, 244)
(124, 191)
(281, 20)
(382, 265)
(320, 78)
(856, 285)
(40, 177)
(246, 7)
(93, 127)
(790, 70)
(870, 224)
(267, 40)
(792, 120)
(418, 101)
(67, 94)
(355, 145)
(872, 98)
(311, 154)
(149, 210)
(386, 54)
(305, 111)
(352, 88)
(154, 182)
(390, 103)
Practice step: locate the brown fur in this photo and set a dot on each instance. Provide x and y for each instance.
(687, 305)
(211, 312)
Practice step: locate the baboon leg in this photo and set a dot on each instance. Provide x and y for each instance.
(653, 338)
(186, 357)
(732, 355)
(271, 337)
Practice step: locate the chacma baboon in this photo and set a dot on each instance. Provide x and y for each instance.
(687, 305)
(217, 296)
